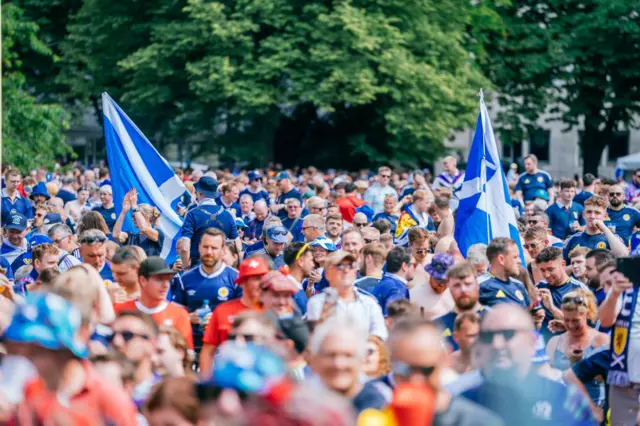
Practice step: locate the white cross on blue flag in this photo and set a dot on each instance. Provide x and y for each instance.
(485, 210)
(135, 163)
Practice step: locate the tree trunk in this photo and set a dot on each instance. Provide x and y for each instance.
(593, 143)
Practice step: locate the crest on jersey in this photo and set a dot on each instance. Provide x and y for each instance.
(601, 245)
(519, 295)
(620, 335)
(191, 292)
(626, 217)
(223, 293)
(27, 260)
(539, 178)
(113, 215)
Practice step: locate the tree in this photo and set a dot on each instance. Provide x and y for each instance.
(32, 132)
(575, 59)
(334, 84)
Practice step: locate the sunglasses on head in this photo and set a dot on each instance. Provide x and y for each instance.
(279, 233)
(578, 300)
(127, 336)
(486, 337)
(92, 240)
(406, 370)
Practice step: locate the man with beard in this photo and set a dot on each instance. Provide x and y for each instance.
(506, 383)
(594, 260)
(434, 298)
(620, 218)
(211, 283)
(632, 191)
(498, 285)
(465, 292)
(334, 229)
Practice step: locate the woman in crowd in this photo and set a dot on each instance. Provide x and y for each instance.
(94, 220)
(145, 218)
(376, 364)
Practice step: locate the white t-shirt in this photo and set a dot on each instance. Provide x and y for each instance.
(434, 304)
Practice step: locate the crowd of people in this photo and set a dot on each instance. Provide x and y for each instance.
(307, 297)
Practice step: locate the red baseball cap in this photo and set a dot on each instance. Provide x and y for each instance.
(251, 267)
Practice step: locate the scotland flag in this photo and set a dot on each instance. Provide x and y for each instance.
(135, 163)
(485, 210)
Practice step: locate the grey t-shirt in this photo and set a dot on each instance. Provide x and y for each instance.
(462, 412)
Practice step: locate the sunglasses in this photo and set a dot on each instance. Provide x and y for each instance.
(92, 240)
(59, 240)
(486, 337)
(246, 337)
(578, 300)
(406, 370)
(304, 228)
(359, 225)
(279, 233)
(533, 222)
(531, 246)
(345, 267)
(616, 194)
(127, 336)
(385, 176)
(369, 241)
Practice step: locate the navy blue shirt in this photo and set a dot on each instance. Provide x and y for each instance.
(66, 196)
(557, 293)
(109, 215)
(392, 219)
(301, 300)
(4, 264)
(294, 193)
(494, 291)
(294, 226)
(623, 221)
(194, 287)
(367, 283)
(233, 208)
(582, 197)
(535, 400)
(448, 320)
(149, 247)
(532, 185)
(11, 253)
(20, 205)
(106, 272)
(582, 239)
(561, 219)
(389, 288)
(260, 195)
(207, 215)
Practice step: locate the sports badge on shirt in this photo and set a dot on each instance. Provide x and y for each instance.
(540, 179)
(113, 215)
(601, 245)
(626, 217)
(223, 294)
(519, 295)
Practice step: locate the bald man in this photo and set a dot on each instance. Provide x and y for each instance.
(417, 356)
(506, 383)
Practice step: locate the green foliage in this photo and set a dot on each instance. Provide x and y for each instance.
(575, 59)
(308, 82)
(32, 132)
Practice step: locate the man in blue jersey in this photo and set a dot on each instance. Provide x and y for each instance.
(229, 198)
(554, 287)
(535, 183)
(12, 201)
(590, 186)
(255, 189)
(287, 191)
(94, 252)
(373, 260)
(293, 219)
(206, 215)
(401, 267)
(620, 218)
(253, 232)
(596, 233)
(212, 281)
(389, 214)
(506, 382)
(565, 215)
(275, 238)
(498, 285)
(465, 292)
(14, 244)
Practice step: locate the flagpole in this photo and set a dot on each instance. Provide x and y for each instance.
(483, 172)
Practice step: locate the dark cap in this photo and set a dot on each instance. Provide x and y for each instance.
(154, 265)
(282, 175)
(293, 328)
(208, 186)
(17, 222)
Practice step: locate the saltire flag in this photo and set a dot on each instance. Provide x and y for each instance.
(485, 210)
(135, 163)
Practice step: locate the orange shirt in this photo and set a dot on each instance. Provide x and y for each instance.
(222, 317)
(97, 403)
(167, 313)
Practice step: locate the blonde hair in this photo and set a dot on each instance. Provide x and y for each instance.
(151, 213)
(83, 286)
(588, 306)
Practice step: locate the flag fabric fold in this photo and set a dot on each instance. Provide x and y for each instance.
(135, 163)
(485, 210)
